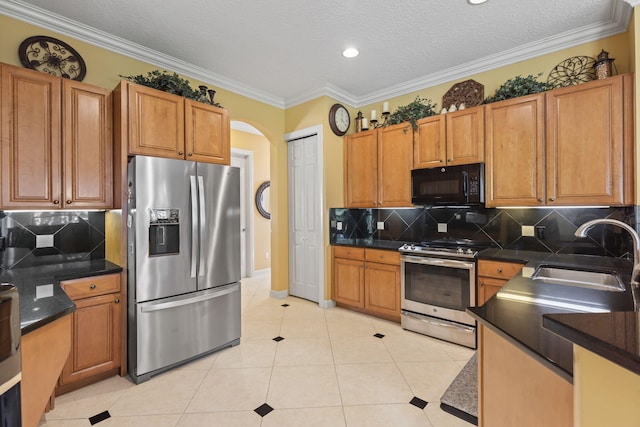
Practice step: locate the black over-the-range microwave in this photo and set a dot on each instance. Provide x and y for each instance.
(448, 185)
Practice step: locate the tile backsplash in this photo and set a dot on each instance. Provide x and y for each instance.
(40, 238)
(543, 230)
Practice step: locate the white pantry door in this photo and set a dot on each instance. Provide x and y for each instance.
(305, 218)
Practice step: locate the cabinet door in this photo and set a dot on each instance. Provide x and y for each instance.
(515, 167)
(348, 282)
(586, 143)
(488, 287)
(95, 333)
(87, 146)
(207, 133)
(30, 126)
(156, 122)
(382, 289)
(395, 160)
(430, 143)
(361, 170)
(465, 136)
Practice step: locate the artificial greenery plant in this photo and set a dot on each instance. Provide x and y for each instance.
(519, 86)
(172, 83)
(413, 112)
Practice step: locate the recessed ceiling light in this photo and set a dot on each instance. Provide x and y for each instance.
(476, 1)
(350, 52)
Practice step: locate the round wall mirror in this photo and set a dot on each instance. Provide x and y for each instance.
(262, 199)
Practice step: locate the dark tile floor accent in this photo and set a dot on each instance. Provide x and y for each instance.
(278, 339)
(99, 417)
(378, 335)
(416, 401)
(263, 409)
(285, 305)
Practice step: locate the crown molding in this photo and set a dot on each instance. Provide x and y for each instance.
(51, 21)
(621, 14)
(618, 24)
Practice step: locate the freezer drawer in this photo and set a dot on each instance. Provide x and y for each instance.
(173, 330)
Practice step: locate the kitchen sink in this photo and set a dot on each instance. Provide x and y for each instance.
(597, 280)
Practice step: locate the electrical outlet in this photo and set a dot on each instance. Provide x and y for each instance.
(528, 231)
(442, 227)
(380, 225)
(339, 226)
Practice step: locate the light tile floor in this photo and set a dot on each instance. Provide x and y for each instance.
(330, 370)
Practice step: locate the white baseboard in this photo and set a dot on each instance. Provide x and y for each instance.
(328, 303)
(279, 294)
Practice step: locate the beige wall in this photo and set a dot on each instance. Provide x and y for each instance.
(105, 67)
(259, 145)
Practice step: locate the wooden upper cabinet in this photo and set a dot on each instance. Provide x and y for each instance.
(156, 122)
(170, 126)
(395, 159)
(465, 136)
(450, 139)
(590, 143)
(361, 169)
(207, 137)
(514, 140)
(430, 149)
(87, 147)
(31, 139)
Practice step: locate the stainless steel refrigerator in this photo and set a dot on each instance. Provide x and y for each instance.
(183, 223)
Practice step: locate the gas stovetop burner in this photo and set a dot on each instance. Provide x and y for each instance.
(449, 248)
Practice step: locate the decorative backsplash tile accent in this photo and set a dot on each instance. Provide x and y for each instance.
(553, 228)
(40, 238)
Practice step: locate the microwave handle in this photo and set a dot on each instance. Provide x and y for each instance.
(465, 184)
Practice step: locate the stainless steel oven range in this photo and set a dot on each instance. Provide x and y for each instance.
(438, 283)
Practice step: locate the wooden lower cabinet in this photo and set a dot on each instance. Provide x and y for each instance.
(516, 390)
(95, 331)
(492, 275)
(367, 280)
(44, 352)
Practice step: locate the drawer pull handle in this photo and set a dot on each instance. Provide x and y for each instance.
(117, 300)
(92, 286)
(499, 270)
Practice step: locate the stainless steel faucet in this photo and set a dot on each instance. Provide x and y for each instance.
(582, 232)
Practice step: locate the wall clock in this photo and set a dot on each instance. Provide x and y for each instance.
(52, 56)
(339, 119)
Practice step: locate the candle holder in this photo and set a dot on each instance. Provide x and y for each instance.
(376, 124)
(358, 120)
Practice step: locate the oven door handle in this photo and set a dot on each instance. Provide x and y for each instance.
(438, 262)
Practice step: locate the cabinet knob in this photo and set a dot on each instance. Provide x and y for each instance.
(68, 202)
(499, 270)
(181, 152)
(92, 286)
(552, 199)
(381, 256)
(481, 283)
(117, 300)
(56, 202)
(189, 154)
(441, 161)
(450, 160)
(540, 200)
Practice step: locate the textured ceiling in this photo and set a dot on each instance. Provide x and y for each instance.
(287, 51)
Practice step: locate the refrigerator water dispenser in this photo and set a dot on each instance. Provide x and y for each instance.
(164, 232)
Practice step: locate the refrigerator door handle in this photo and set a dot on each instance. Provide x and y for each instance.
(203, 224)
(194, 225)
(187, 301)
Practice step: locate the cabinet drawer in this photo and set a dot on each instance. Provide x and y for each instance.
(498, 269)
(91, 286)
(348, 252)
(380, 255)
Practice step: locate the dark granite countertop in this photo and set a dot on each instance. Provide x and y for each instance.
(614, 336)
(521, 322)
(36, 310)
(392, 245)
